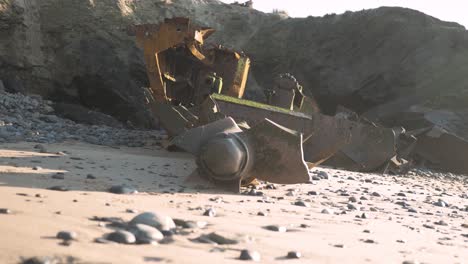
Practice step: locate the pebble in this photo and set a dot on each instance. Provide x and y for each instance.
(59, 188)
(312, 193)
(210, 212)
(67, 235)
(316, 178)
(351, 207)
(160, 221)
(122, 189)
(327, 211)
(131, 211)
(352, 199)
(276, 228)
(302, 203)
(254, 192)
(376, 194)
(402, 203)
(5, 211)
(90, 177)
(41, 260)
(121, 237)
(441, 223)
(217, 238)
(102, 240)
(294, 255)
(262, 214)
(146, 234)
(250, 255)
(323, 175)
(440, 203)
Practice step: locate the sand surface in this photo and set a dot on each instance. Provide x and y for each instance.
(389, 233)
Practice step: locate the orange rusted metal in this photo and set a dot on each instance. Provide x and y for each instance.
(178, 62)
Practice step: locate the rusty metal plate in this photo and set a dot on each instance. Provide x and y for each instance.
(444, 150)
(278, 154)
(369, 149)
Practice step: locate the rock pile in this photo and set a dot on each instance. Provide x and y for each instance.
(32, 119)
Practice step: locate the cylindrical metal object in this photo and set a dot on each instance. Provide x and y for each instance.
(225, 157)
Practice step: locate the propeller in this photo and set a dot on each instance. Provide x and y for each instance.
(226, 155)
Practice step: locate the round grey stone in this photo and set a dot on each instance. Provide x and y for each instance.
(122, 237)
(146, 234)
(160, 221)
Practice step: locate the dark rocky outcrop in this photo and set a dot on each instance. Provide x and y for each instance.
(78, 50)
(364, 59)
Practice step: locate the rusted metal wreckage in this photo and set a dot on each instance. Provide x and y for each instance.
(196, 93)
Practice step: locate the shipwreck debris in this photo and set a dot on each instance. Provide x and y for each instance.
(227, 155)
(197, 94)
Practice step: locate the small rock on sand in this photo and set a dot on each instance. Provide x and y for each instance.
(160, 221)
(250, 255)
(5, 211)
(58, 188)
(294, 255)
(146, 234)
(210, 212)
(122, 189)
(122, 237)
(67, 235)
(216, 238)
(276, 228)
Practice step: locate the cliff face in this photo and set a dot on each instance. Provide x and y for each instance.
(366, 58)
(79, 51)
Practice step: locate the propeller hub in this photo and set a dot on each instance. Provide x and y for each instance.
(224, 157)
